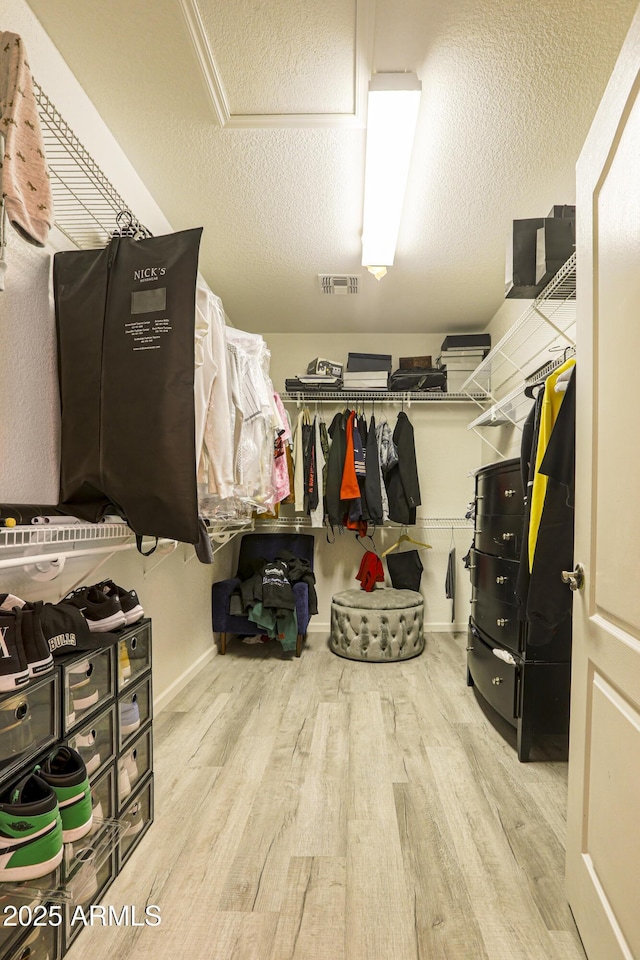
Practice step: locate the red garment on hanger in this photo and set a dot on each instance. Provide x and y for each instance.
(370, 571)
(349, 488)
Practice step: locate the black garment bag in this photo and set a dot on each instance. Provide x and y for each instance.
(125, 319)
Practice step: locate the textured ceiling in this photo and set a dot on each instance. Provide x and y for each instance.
(509, 91)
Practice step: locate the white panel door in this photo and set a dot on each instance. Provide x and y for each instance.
(603, 838)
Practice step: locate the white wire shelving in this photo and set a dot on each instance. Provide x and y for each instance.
(547, 325)
(42, 550)
(424, 523)
(384, 396)
(534, 346)
(515, 405)
(86, 204)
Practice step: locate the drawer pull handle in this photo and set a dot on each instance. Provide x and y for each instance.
(508, 536)
(510, 493)
(21, 710)
(496, 680)
(502, 622)
(469, 649)
(501, 579)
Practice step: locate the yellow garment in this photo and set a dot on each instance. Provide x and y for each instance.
(551, 404)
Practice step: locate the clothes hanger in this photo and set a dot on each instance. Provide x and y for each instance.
(531, 390)
(405, 538)
(128, 226)
(369, 536)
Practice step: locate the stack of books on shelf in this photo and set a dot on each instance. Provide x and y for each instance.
(460, 354)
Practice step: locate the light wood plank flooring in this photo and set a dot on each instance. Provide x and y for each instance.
(321, 809)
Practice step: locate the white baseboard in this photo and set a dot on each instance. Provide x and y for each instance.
(165, 698)
(446, 627)
(429, 627)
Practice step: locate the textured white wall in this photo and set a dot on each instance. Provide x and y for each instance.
(177, 594)
(446, 451)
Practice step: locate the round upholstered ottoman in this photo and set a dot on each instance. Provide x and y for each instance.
(380, 626)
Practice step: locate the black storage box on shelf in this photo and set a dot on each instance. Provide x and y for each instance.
(541, 245)
(418, 380)
(467, 341)
(369, 362)
(563, 210)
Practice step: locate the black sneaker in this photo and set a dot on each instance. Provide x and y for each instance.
(14, 670)
(30, 830)
(101, 612)
(129, 600)
(66, 774)
(36, 647)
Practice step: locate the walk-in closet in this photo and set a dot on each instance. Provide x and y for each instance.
(319, 634)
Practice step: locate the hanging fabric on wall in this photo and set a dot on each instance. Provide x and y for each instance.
(125, 318)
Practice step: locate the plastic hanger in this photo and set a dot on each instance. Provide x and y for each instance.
(369, 536)
(405, 538)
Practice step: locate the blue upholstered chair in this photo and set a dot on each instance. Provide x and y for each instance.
(267, 546)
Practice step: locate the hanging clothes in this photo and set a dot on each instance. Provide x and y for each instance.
(309, 459)
(405, 570)
(551, 405)
(215, 421)
(24, 178)
(450, 582)
(403, 487)
(281, 472)
(373, 478)
(549, 601)
(317, 513)
(335, 468)
(349, 489)
(298, 463)
(370, 571)
(386, 456)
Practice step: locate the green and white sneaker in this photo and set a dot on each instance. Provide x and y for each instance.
(65, 772)
(30, 830)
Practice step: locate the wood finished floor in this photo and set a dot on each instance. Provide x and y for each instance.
(321, 809)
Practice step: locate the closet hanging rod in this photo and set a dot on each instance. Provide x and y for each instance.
(85, 201)
(30, 560)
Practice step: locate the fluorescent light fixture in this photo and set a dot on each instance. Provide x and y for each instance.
(392, 114)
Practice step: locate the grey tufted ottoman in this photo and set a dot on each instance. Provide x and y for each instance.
(379, 626)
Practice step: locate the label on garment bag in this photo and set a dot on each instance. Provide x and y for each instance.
(148, 334)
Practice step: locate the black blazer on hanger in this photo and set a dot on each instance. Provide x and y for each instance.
(403, 487)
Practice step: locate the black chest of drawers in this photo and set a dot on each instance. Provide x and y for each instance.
(521, 668)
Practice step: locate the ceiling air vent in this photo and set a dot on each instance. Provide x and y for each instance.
(338, 283)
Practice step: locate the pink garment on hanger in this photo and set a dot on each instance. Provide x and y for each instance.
(25, 181)
(280, 469)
